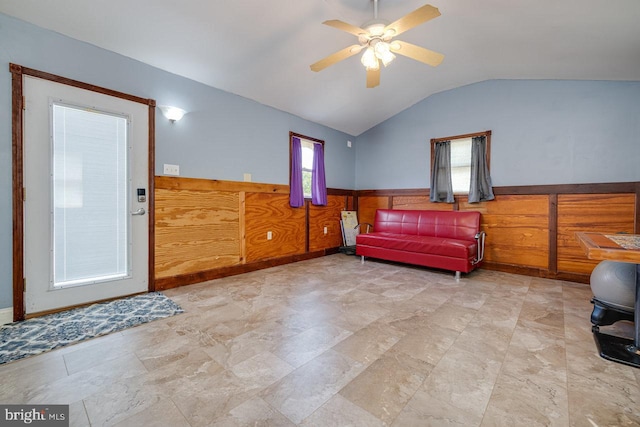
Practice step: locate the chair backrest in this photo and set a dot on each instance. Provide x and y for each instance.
(449, 224)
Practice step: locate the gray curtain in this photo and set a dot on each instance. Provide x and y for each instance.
(480, 189)
(441, 189)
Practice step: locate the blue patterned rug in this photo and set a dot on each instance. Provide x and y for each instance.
(38, 335)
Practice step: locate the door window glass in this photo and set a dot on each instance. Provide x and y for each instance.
(90, 196)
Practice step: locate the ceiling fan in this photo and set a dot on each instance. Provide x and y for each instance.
(376, 38)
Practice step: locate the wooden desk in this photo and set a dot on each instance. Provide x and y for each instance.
(600, 247)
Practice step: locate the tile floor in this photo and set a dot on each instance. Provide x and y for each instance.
(332, 342)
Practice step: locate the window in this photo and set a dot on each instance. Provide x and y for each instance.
(307, 166)
(90, 194)
(460, 165)
(307, 178)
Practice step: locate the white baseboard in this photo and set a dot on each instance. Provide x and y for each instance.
(6, 315)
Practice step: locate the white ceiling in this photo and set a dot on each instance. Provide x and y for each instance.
(262, 49)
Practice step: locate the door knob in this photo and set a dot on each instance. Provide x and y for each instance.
(140, 211)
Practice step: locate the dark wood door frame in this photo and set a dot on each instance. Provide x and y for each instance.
(17, 106)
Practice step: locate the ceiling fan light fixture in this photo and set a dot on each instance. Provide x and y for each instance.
(386, 60)
(369, 59)
(376, 29)
(383, 53)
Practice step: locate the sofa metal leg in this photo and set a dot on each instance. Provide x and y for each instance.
(361, 259)
(457, 276)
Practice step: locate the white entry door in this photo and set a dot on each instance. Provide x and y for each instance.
(85, 226)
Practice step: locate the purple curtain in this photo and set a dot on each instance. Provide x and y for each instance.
(318, 182)
(296, 195)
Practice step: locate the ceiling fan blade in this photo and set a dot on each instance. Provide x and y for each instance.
(373, 78)
(352, 29)
(418, 53)
(336, 57)
(413, 19)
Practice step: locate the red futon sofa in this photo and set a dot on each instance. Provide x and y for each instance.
(450, 240)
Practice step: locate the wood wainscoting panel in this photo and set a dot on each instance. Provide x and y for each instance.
(195, 230)
(326, 216)
(183, 183)
(517, 229)
(419, 202)
(351, 201)
(367, 206)
(271, 212)
(604, 213)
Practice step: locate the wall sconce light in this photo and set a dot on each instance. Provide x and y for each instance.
(172, 113)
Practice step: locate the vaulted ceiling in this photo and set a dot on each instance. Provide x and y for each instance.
(262, 49)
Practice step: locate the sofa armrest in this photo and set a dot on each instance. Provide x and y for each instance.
(480, 240)
(369, 226)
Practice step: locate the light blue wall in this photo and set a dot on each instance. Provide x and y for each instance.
(222, 137)
(543, 132)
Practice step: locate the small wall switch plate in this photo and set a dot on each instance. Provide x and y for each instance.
(269, 235)
(247, 177)
(171, 170)
(325, 230)
(349, 144)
